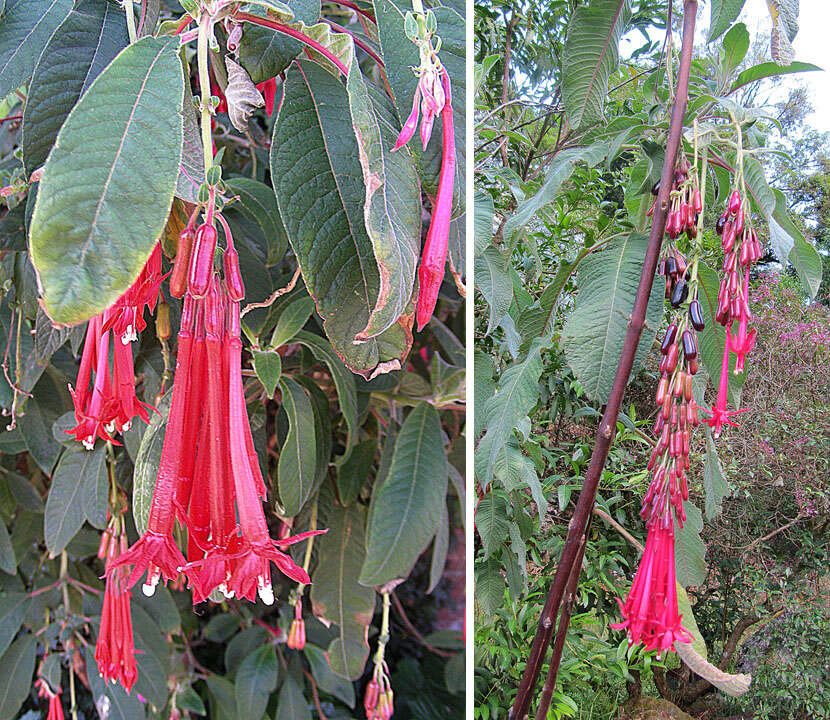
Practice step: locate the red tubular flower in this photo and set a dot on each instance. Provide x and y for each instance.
(720, 415)
(126, 316)
(650, 614)
(269, 92)
(114, 651)
(55, 707)
(296, 633)
(434, 256)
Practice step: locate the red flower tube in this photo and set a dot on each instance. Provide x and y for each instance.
(434, 256)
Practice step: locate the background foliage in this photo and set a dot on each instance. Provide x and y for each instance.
(568, 144)
(343, 430)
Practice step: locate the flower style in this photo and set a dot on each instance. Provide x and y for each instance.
(650, 614)
(114, 651)
(55, 707)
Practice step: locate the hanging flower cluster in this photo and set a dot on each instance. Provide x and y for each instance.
(378, 698)
(104, 394)
(209, 473)
(433, 96)
(55, 708)
(296, 633)
(115, 651)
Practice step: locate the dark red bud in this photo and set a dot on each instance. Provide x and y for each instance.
(668, 338)
(734, 202)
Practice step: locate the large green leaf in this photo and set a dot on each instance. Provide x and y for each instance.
(95, 222)
(336, 596)
(517, 392)
(86, 42)
(493, 281)
(408, 504)
(8, 558)
(258, 202)
(400, 55)
(392, 210)
(770, 69)
(561, 168)
(147, 462)
(590, 55)
(491, 521)
(265, 53)
(722, 14)
(317, 177)
(112, 697)
(684, 607)
(297, 465)
(715, 484)
(13, 609)
(152, 653)
(790, 245)
(594, 334)
(255, 680)
(291, 704)
(16, 667)
(689, 550)
(25, 29)
(48, 402)
(65, 506)
(352, 474)
(327, 680)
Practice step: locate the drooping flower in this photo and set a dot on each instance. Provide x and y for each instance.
(55, 711)
(742, 343)
(296, 633)
(720, 415)
(115, 651)
(126, 316)
(650, 614)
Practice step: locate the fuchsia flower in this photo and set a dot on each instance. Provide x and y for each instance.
(650, 614)
(434, 255)
(55, 707)
(720, 415)
(742, 343)
(114, 651)
(126, 316)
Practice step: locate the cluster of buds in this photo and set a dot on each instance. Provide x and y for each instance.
(378, 699)
(433, 95)
(296, 633)
(209, 476)
(114, 650)
(104, 395)
(686, 203)
(55, 711)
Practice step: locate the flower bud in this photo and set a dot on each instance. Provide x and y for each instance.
(201, 264)
(178, 277)
(163, 321)
(668, 338)
(696, 315)
(233, 278)
(734, 202)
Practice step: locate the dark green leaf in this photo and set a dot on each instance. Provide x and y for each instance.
(256, 679)
(221, 627)
(735, 46)
(222, 698)
(492, 522)
(490, 586)
(151, 658)
(25, 29)
(8, 560)
(296, 469)
(16, 667)
(92, 233)
(112, 698)
(326, 680)
(722, 14)
(440, 546)
(48, 403)
(352, 474)
(291, 704)
(408, 504)
(65, 507)
(770, 69)
(13, 610)
(494, 283)
(84, 44)
(188, 699)
(268, 367)
(257, 201)
(242, 645)
(715, 484)
(292, 320)
(147, 464)
(690, 552)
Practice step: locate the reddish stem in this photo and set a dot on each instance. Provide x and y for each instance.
(287, 30)
(183, 23)
(357, 41)
(353, 6)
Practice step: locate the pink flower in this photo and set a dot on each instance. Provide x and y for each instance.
(720, 415)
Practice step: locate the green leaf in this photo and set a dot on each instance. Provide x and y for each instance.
(147, 462)
(717, 487)
(490, 586)
(352, 474)
(314, 146)
(291, 321)
(343, 380)
(594, 334)
(590, 55)
(8, 560)
(326, 680)
(220, 627)
(222, 698)
(13, 610)
(322, 428)
(440, 547)
(152, 653)
(112, 698)
(561, 168)
(392, 208)
(242, 645)
(192, 168)
(722, 14)
(25, 29)
(16, 667)
(483, 221)
(188, 699)
(735, 46)
(684, 607)
(408, 504)
(255, 680)
(84, 44)
(257, 200)
(494, 283)
(296, 469)
(491, 521)
(95, 496)
(291, 704)
(268, 367)
(65, 511)
(95, 225)
(265, 53)
(336, 596)
(689, 550)
(790, 245)
(518, 391)
(48, 403)
(769, 69)
(712, 339)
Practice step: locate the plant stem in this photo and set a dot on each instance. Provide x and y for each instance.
(204, 85)
(383, 638)
(128, 11)
(585, 502)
